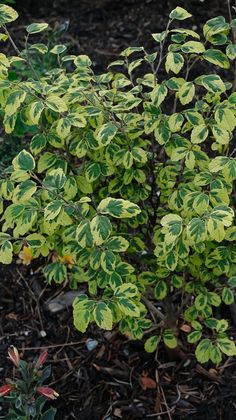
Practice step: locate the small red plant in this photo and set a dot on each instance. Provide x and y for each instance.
(26, 394)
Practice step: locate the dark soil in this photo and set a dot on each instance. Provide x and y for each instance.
(107, 382)
(103, 28)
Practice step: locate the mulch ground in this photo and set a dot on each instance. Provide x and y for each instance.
(116, 379)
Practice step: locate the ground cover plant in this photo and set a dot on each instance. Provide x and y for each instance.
(127, 181)
(26, 395)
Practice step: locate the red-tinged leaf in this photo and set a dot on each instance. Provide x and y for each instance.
(147, 383)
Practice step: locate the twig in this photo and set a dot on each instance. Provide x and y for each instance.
(52, 346)
(152, 308)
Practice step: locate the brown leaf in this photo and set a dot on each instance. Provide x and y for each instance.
(186, 328)
(13, 316)
(147, 383)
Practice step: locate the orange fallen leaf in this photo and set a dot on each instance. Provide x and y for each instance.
(26, 255)
(146, 382)
(186, 328)
(67, 259)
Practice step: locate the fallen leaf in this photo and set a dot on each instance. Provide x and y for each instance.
(186, 328)
(67, 259)
(13, 316)
(118, 413)
(147, 383)
(26, 255)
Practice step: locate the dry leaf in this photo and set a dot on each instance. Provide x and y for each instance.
(26, 255)
(67, 259)
(147, 383)
(186, 328)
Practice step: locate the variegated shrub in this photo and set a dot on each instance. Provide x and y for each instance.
(127, 182)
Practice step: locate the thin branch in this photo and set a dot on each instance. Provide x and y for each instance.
(152, 308)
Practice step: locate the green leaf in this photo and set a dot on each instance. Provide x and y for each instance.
(201, 203)
(174, 62)
(222, 136)
(162, 132)
(55, 179)
(124, 269)
(217, 57)
(24, 161)
(55, 103)
(58, 49)
(6, 251)
(171, 260)
(196, 231)
(126, 290)
(161, 290)
(130, 50)
(46, 161)
(222, 325)
(169, 339)
(7, 14)
(115, 280)
(159, 37)
(186, 93)
(227, 296)
(13, 103)
(215, 355)
(158, 94)
(227, 346)
(215, 26)
(118, 208)
(177, 281)
(100, 228)
(199, 134)
(63, 127)
(193, 47)
(128, 307)
(49, 414)
(82, 61)
(200, 302)
(175, 122)
(35, 110)
(134, 64)
(194, 336)
(108, 261)
(24, 191)
(35, 240)
(106, 133)
(185, 31)
(232, 281)
(82, 308)
(35, 28)
(52, 210)
(103, 316)
(225, 118)
(40, 48)
(84, 235)
(55, 272)
(172, 227)
(213, 83)
(117, 244)
(179, 13)
(231, 51)
(92, 172)
(151, 343)
(203, 350)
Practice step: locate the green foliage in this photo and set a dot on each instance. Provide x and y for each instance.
(127, 181)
